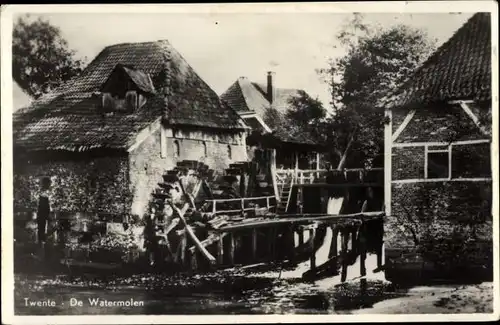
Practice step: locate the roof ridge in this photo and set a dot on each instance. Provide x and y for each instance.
(160, 41)
(477, 18)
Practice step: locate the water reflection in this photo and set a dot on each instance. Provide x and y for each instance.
(208, 294)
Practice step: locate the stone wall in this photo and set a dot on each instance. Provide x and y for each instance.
(443, 223)
(408, 163)
(90, 184)
(147, 164)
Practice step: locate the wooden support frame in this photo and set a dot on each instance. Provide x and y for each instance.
(191, 234)
(455, 143)
(403, 125)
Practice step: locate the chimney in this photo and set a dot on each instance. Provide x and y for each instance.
(271, 90)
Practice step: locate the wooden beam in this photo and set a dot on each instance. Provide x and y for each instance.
(388, 161)
(473, 117)
(312, 238)
(421, 144)
(338, 185)
(403, 125)
(431, 180)
(333, 245)
(231, 248)
(254, 244)
(426, 161)
(343, 254)
(298, 219)
(191, 234)
(220, 251)
(212, 238)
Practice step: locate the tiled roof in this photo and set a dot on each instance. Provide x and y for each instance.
(459, 69)
(246, 96)
(69, 117)
(142, 80)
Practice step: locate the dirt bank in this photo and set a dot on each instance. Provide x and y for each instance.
(444, 299)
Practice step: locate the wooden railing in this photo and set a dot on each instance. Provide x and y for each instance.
(243, 207)
(308, 176)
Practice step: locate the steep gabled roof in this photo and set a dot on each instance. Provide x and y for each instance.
(459, 69)
(246, 96)
(69, 118)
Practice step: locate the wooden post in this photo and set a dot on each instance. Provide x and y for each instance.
(291, 243)
(300, 232)
(274, 176)
(254, 244)
(242, 207)
(191, 234)
(333, 246)
(220, 250)
(183, 249)
(388, 161)
(194, 261)
(231, 248)
(354, 241)
(272, 243)
(379, 255)
(213, 207)
(267, 202)
(296, 162)
(362, 252)
(345, 240)
(317, 164)
(312, 237)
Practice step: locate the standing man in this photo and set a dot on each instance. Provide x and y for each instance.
(43, 211)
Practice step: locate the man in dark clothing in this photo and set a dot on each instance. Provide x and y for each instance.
(43, 210)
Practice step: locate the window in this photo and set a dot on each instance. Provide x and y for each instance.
(131, 100)
(177, 149)
(229, 153)
(205, 154)
(438, 162)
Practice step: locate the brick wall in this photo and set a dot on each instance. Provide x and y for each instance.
(436, 124)
(442, 221)
(93, 185)
(445, 224)
(408, 163)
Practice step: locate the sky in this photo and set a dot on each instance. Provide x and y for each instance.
(222, 47)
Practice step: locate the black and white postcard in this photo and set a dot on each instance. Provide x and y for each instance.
(271, 162)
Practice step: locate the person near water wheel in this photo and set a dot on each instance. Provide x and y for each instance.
(150, 241)
(43, 211)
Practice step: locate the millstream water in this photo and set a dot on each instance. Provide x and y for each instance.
(258, 289)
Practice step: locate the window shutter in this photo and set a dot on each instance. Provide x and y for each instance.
(107, 102)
